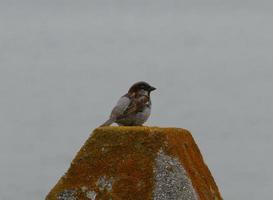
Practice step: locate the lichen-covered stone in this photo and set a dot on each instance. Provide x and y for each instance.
(137, 163)
(66, 195)
(171, 180)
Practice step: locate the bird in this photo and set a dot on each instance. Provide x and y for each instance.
(133, 108)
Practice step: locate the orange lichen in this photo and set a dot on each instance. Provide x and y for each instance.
(189, 154)
(118, 163)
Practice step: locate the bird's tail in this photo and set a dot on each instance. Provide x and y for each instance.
(107, 123)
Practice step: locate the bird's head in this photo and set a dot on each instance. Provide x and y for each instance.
(141, 87)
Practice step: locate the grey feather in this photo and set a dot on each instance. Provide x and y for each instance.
(121, 106)
(118, 110)
(107, 123)
(130, 111)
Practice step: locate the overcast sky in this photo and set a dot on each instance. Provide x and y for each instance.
(64, 64)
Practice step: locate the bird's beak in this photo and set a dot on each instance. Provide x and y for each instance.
(152, 88)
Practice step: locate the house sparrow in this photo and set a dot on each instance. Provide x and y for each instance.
(133, 108)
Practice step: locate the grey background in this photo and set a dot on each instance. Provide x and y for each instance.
(64, 64)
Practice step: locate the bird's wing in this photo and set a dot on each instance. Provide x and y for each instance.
(135, 105)
(120, 108)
